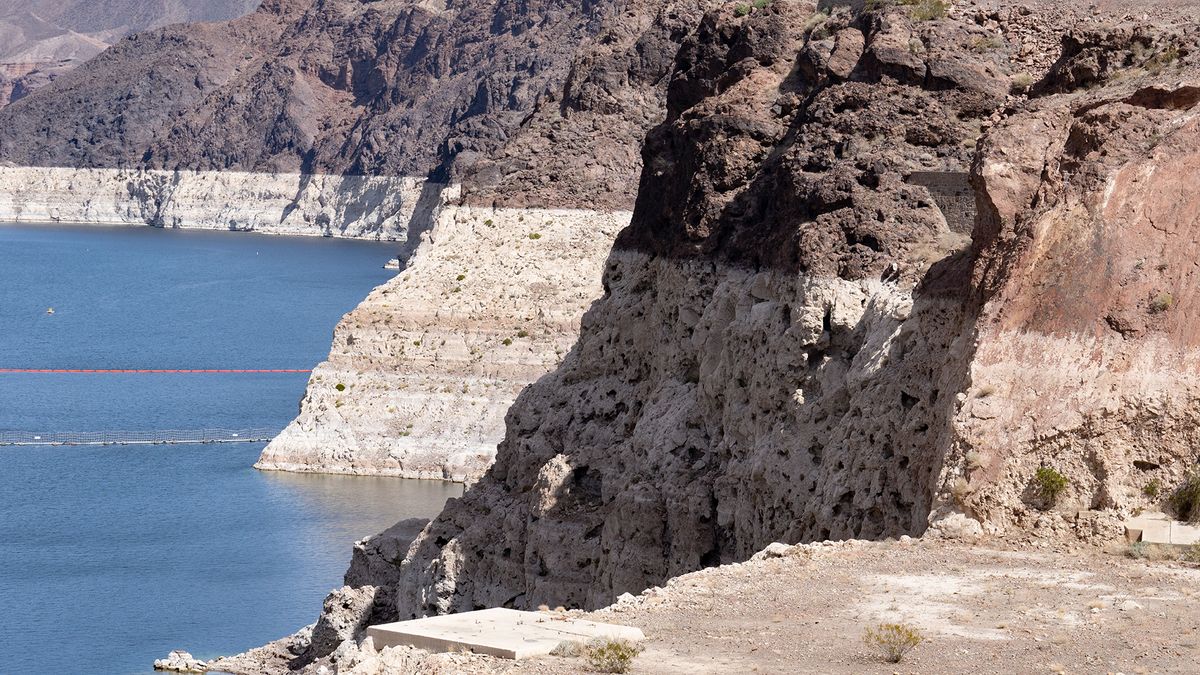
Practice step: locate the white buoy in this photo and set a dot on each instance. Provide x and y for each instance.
(50, 310)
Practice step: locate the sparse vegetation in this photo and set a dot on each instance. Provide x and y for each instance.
(456, 289)
(340, 387)
(488, 222)
(1137, 550)
(1152, 489)
(522, 333)
(460, 277)
(611, 656)
(893, 641)
(1186, 499)
(567, 649)
(1161, 303)
(817, 19)
(926, 10)
(987, 43)
(416, 343)
(1168, 55)
(1050, 484)
(1021, 83)
(975, 460)
(1192, 553)
(507, 341)
(741, 10)
(535, 235)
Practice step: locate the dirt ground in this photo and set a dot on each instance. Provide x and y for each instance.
(980, 611)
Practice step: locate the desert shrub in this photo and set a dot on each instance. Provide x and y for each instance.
(611, 656)
(1192, 553)
(1161, 303)
(1138, 550)
(1186, 499)
(762, 4)
(741, 10)
(1021, 83)
(507, 341)
(893, 641)
(340, 387)
(522, 333)
(1152, 489)
(416, 343)
(488, 222)
(460, 277)
(567, 648)
(1050, 484)
(926, 10)
(534, 235)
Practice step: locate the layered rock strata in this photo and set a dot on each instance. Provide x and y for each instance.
(421, 373)
(295, 204)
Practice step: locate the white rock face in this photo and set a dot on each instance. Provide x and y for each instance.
(421, 373)
(292, 204)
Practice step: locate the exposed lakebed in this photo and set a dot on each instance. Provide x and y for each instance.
(130, 551)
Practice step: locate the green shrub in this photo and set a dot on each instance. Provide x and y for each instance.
(1050, 484)
(416, 343)
(611, 655)
(1186, 499)
(741, 10)
(507, 341)
(762, 4)
(488, 222)
(1138, 550)
(534, 235)
(1152, 489)
(460, 277)
(522, 333)
(893, 641)
(340, 387)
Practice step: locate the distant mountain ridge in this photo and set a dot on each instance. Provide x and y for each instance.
(468, 90)
(42, 39)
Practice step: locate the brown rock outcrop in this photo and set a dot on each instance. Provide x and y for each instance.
(794, 344)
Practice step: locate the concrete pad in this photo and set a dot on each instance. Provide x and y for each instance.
(506, 633)
(1183, 534)
(1152, 528)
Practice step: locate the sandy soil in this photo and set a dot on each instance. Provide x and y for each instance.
(980, 610)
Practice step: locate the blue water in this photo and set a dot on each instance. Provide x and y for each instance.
(112, 556)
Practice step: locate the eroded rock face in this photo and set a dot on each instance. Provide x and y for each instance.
(763, 366)
(421, 373)
(1087, 358)
(779, 357)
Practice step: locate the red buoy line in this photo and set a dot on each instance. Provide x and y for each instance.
(142, 371)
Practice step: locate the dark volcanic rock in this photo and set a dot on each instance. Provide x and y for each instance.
(540, 102)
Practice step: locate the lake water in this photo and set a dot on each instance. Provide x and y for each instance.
(112, 556)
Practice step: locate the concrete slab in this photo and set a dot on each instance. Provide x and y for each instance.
(506, 633)
(1159, 528)
(1152, 528)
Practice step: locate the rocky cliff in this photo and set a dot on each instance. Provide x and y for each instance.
(802, 338)
(421, 372)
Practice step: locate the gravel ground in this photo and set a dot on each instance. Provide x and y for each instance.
(980, 611)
